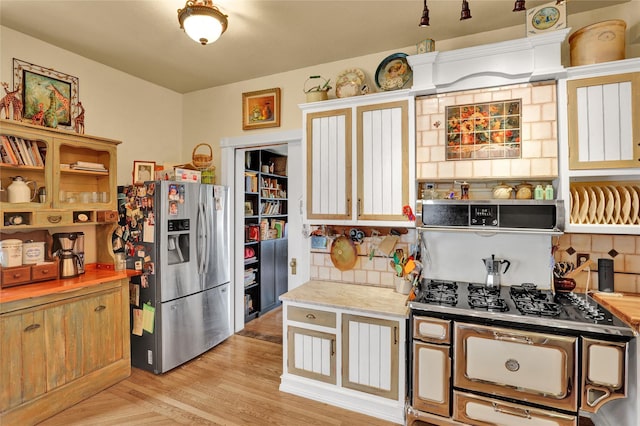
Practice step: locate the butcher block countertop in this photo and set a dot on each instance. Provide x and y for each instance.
(353, 297)
(626, 306)
(11, 297)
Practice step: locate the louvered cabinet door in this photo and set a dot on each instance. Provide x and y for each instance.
(383, 161)
(370, 352)
(604, 123)
(328, 148)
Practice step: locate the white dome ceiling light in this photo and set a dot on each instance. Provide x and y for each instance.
(202, 21)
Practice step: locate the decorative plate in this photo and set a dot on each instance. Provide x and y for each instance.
(349, 82)
(394, 72)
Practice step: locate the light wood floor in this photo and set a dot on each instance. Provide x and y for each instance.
(235, 383)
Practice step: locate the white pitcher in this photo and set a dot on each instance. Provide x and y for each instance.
(19, 190)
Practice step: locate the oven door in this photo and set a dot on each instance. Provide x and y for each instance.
(530, 367)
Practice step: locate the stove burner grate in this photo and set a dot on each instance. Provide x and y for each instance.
(531, 301)
(439, 292)
(481, 297)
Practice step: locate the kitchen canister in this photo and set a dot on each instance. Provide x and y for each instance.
(11, 253)
(32, 252)
(599, 42)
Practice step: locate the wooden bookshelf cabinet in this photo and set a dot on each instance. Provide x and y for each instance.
(72, 195)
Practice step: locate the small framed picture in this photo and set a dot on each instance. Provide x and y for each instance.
(261, 109)
(546, 17)
(248, 208)
(143, 171)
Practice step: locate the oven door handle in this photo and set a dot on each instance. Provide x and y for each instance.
(511, 411)
(512, 338)
(595, 394)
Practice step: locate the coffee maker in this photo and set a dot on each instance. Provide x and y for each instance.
(63, 248)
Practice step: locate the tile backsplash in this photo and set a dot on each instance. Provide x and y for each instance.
(374, 272)
(623, 249)
(539, 151)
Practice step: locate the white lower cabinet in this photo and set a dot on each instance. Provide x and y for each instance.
(351, 361)
(478, 410)
(370, 355)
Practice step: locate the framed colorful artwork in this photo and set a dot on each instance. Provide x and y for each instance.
(47, 92)
(143, 171)
(546, 17)
(261, 109)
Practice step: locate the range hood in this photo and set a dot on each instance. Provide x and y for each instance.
(492, 216)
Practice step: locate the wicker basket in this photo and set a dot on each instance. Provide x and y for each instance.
(202, 161)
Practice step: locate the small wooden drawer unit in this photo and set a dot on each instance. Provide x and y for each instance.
(15, 276)
(27, 274)
(311, 316)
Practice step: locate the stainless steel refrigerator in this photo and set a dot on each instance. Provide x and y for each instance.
(182, 232)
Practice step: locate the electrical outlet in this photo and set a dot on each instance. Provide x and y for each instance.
(581, 258)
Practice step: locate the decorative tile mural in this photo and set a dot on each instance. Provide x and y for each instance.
(484, 131)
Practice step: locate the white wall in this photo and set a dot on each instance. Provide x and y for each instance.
(145, 117)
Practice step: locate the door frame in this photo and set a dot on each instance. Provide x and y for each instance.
(232, 175)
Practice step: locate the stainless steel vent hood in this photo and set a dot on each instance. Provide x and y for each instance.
(492, 216)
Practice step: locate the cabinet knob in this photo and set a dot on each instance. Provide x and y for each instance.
(54, 219)
(311, 316)
(100, 308)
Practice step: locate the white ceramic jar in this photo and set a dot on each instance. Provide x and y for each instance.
(11, 253)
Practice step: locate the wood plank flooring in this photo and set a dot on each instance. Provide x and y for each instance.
(235, 383)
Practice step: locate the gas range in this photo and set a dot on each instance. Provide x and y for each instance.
(523, 304)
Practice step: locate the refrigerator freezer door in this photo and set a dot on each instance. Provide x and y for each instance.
(194, 324)
(217, 270)
(176, 268)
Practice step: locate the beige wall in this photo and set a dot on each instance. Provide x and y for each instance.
(145, 117)
(215, 113)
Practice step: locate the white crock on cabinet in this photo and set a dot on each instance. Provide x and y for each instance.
(359, 154)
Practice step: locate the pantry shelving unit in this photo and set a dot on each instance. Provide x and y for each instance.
(265, 221)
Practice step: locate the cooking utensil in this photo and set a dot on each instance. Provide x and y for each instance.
(343, 253)
(494, 266)
(574, 273)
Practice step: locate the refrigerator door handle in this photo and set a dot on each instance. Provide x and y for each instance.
(207, 237)
(201, 230)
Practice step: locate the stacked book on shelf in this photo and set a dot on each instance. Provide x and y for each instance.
(21, 152)
(250, 276)
(270, 208)
(89, 167)
(251, 181)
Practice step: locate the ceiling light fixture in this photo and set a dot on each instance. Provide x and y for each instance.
(424, 21)
(202, 21)
(465, 13)
(519, 6)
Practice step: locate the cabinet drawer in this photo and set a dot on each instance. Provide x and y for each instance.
(15, 276)
(477, 410)
(107, 216)
(53, 217)
(431, 330)
(311, 316)
(48, 271)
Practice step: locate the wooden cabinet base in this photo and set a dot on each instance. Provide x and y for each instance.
(59, 348)
(51, 403)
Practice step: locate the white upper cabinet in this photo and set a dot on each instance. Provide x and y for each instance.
(602, 131)
(365, 181)
(599, 149)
